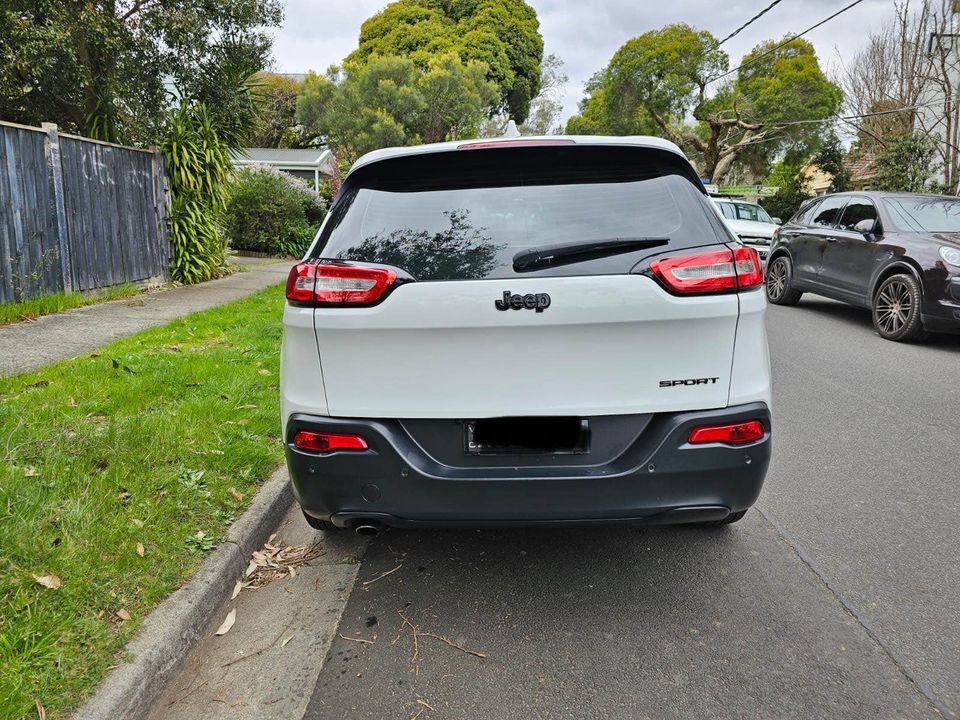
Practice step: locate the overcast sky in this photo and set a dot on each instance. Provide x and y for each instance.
(586, 33)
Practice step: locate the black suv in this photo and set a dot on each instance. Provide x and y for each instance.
(895, 253)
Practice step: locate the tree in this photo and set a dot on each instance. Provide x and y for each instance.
(547, 105)
(788, 176)
(502, 34)
(664, 77)
(392, 101)
(545, 109)
(907, 163)
(830, 160)
(277, 112)
(99, 68)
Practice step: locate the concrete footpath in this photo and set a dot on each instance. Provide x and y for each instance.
(28, 346)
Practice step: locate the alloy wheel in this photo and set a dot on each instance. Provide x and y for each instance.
(777, 279)
(894, 307)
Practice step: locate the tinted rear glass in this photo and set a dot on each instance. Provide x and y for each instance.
(465, 214)
(924, 214)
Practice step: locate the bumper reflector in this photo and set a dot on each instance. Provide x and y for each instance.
(327, 442)
(738, 434)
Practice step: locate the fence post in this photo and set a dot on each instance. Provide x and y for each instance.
(55, 175)
(161, 204)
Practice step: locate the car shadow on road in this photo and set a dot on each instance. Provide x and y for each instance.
(861, 318)
(600, 622)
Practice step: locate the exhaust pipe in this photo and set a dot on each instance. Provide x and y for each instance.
(370, 529)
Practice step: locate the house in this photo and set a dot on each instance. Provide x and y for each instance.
(310, 164)
(863, 168)
(818, 181)
(862, 165)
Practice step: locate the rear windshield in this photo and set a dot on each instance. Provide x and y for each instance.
(464, 215)
(924, 214)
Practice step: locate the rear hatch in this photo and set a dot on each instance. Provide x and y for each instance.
(462, 317)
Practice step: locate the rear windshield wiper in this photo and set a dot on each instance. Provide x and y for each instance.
(581, 251)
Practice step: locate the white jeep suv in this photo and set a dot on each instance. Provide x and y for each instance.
(536, 330)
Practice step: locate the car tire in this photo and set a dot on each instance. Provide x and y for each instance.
(318, 524)
(896, 309)
(779, 286)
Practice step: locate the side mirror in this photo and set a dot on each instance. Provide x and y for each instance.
(867, 227)
(777, 221)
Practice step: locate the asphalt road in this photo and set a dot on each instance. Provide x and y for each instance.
(837, 597)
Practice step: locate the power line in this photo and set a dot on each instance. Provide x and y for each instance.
(750, 21)
(785, 42)
(848, 118)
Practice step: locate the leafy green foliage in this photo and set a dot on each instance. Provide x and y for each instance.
(271, 212)
(906, 163)
(502, 34)
(276, 125)
(789, 177)
(658, 80)
(96, 459)
(830, 160)
(392, 101)
(198, 164)
(99, 68)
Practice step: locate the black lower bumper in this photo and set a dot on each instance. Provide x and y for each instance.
(658, 478)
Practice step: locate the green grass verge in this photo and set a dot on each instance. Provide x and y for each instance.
(140, 442)
(58, 302)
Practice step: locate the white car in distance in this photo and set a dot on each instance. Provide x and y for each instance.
(749, 222)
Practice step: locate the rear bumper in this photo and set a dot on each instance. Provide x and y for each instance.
(659, 478)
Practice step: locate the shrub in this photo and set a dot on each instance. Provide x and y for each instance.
(271, 212)
(198, 163)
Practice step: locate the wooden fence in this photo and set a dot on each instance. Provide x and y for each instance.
(78, 214)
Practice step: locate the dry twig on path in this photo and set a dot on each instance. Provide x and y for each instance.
(382, 575)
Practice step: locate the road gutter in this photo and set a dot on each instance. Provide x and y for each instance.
(174, 627)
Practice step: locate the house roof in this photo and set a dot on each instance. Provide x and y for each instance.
(286, 158)
(862, 165)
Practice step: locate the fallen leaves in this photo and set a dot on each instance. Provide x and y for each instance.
(48, 581)
(30, 471)
(123, 614)
(141, 551)
(278, 560)
(236, 589)
(227, 623)
(236, 494)
(41, 713)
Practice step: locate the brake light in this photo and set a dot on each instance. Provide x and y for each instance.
(710, 272)
(300, 284)
(738, 434)
(513, 143)
(327, 442)
(336, 284)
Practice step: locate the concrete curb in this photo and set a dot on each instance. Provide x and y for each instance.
(173, 628)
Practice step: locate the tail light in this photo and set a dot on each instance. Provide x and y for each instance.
(739, 434)
(327, 442)
(334, 284)
(710, 272)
